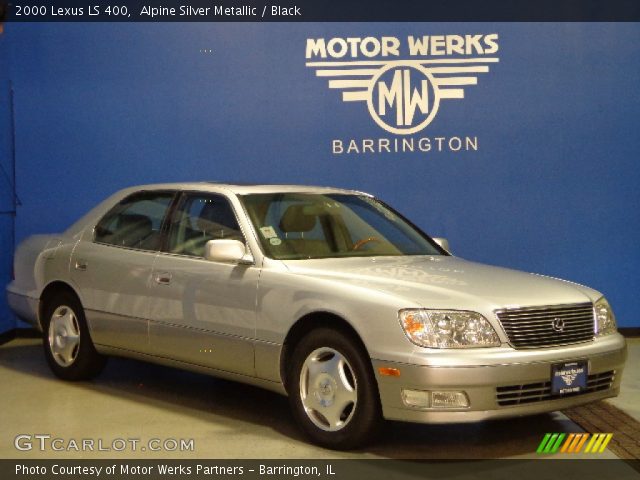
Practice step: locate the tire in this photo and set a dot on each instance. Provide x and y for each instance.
(68, 348)
(332, 390)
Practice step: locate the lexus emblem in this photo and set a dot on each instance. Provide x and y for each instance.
(558, 325)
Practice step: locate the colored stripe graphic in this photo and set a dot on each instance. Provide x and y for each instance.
(596, 445)
(557, 444)
(570, 440)
(590, 444)
(553, 443)
(584, 438)
(543, 443)
(550, 443)
(606, 442)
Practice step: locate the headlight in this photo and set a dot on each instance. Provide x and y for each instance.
(605, 319)
(448, 329)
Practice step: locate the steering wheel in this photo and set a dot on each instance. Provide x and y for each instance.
(364, 241)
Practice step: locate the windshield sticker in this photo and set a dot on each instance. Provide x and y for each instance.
(275, 241)
(268, 232)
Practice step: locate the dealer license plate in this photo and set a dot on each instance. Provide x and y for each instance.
(569, 377)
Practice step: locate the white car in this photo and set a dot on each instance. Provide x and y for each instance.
(323, 294)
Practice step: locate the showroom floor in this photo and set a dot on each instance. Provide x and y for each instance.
(228, 420)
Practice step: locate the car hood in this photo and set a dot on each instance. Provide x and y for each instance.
(446, 281)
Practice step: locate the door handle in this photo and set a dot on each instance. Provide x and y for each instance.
(163, 278)
(81, 265)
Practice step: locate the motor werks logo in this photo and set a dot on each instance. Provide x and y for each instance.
(402, 82)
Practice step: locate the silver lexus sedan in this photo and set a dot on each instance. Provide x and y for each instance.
(326, 295)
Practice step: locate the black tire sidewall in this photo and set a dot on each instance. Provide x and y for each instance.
(88, 362)
(366, 417)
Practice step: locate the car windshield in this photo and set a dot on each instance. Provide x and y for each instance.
(294, 226)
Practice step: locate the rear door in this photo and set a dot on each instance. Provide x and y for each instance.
(112, 268)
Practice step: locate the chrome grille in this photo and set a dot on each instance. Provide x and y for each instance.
(539, 392)
(534, 327)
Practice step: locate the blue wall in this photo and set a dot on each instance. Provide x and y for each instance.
(6, 187)
(553, 187)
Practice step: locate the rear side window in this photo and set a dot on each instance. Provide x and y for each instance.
(136, 222)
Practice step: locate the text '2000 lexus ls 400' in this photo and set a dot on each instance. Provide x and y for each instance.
(326, 295)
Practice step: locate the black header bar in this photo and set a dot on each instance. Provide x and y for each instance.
(288, 469)
(321, 11)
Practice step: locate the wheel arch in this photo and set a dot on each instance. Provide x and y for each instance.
(309, 322)
(49, 292)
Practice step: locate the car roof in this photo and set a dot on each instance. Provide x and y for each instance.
(242, 188)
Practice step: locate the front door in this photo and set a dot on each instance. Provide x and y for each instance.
(203, 312)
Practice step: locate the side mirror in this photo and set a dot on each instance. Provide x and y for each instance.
(227, 251)
(443, 242)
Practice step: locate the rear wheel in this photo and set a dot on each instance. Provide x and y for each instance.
(68, 348)
(332, 390)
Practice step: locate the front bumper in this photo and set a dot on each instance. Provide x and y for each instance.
(499, 389)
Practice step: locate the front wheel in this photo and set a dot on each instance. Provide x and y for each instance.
(332, 390)
(67, 344)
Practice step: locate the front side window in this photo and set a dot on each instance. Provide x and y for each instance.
(200, 218)
(136, 222)
(302, 225)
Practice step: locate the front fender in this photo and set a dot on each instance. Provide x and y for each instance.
(284, 297)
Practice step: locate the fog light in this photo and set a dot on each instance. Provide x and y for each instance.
(415, 398)
(449, 400)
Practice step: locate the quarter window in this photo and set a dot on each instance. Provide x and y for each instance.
(136, 222)
(201, 218)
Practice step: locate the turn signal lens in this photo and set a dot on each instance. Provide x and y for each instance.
(412, 325)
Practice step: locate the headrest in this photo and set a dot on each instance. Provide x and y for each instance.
(132, 229)
(134, 220)
(297, 218)
(216, 216)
